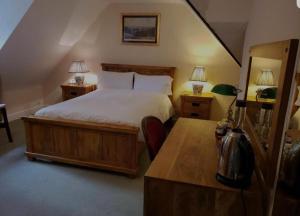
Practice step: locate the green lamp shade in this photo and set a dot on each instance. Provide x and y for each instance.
(225, 89)
(268, 93)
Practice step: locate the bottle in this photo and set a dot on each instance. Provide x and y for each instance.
(240, 114)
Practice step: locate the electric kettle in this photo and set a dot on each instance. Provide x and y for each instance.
(236, 160)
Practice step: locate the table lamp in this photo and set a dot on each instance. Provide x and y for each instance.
(269, 93)
(266, 78)
(78, 67)
(227, 90)
(198, 75)
(263, 125)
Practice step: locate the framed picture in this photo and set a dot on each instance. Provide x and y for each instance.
(140, 29)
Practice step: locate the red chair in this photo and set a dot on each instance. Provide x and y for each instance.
(154, 133)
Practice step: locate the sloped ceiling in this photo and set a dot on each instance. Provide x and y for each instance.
(228, 19)
(45, 34)
(11, 12)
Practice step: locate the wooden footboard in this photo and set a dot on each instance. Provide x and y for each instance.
(105, 146)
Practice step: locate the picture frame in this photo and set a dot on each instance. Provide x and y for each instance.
(140, 29)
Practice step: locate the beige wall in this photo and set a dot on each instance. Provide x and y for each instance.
(184, 43)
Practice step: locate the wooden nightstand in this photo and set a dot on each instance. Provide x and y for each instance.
(70, 91)
(196, 106)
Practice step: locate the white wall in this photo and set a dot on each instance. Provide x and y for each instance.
(184, 43)
(233, 11)
(11, 12)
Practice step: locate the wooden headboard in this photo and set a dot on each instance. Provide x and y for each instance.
(141, 69)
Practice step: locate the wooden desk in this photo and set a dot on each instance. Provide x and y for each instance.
(181, 179)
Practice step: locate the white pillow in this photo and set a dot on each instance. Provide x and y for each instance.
(155, 83)
(115, 80)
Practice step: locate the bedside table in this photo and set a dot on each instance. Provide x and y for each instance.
(70, 91)
(196, 106)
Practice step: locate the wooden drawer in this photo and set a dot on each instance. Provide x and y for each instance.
(197, 115)
(195, 107)
(72, 91)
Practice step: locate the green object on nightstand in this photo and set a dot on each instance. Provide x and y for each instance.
(268, 93)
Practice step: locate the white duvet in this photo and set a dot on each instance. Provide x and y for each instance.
(124, 107)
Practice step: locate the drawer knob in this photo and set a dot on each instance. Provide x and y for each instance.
(195, 104)
(195, 114)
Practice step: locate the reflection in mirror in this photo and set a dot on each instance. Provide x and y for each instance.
(261, 95)
(269, 98)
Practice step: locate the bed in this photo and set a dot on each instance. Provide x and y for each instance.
(87, 137)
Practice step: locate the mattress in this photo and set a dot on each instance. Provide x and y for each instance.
(115, 106)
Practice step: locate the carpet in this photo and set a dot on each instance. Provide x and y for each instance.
(49, 189)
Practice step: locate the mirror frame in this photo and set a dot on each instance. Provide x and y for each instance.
(268, 162)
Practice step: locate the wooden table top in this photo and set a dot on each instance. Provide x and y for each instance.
(208, 95)
(190, 155)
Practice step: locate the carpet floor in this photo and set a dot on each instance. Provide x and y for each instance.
(50, 189)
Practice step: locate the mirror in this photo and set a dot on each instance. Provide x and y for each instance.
(269, 93)
(261, 95)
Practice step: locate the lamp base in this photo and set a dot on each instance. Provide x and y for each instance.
(197, 89)
(79, 80)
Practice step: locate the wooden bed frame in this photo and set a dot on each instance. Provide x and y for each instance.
(106, 146)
